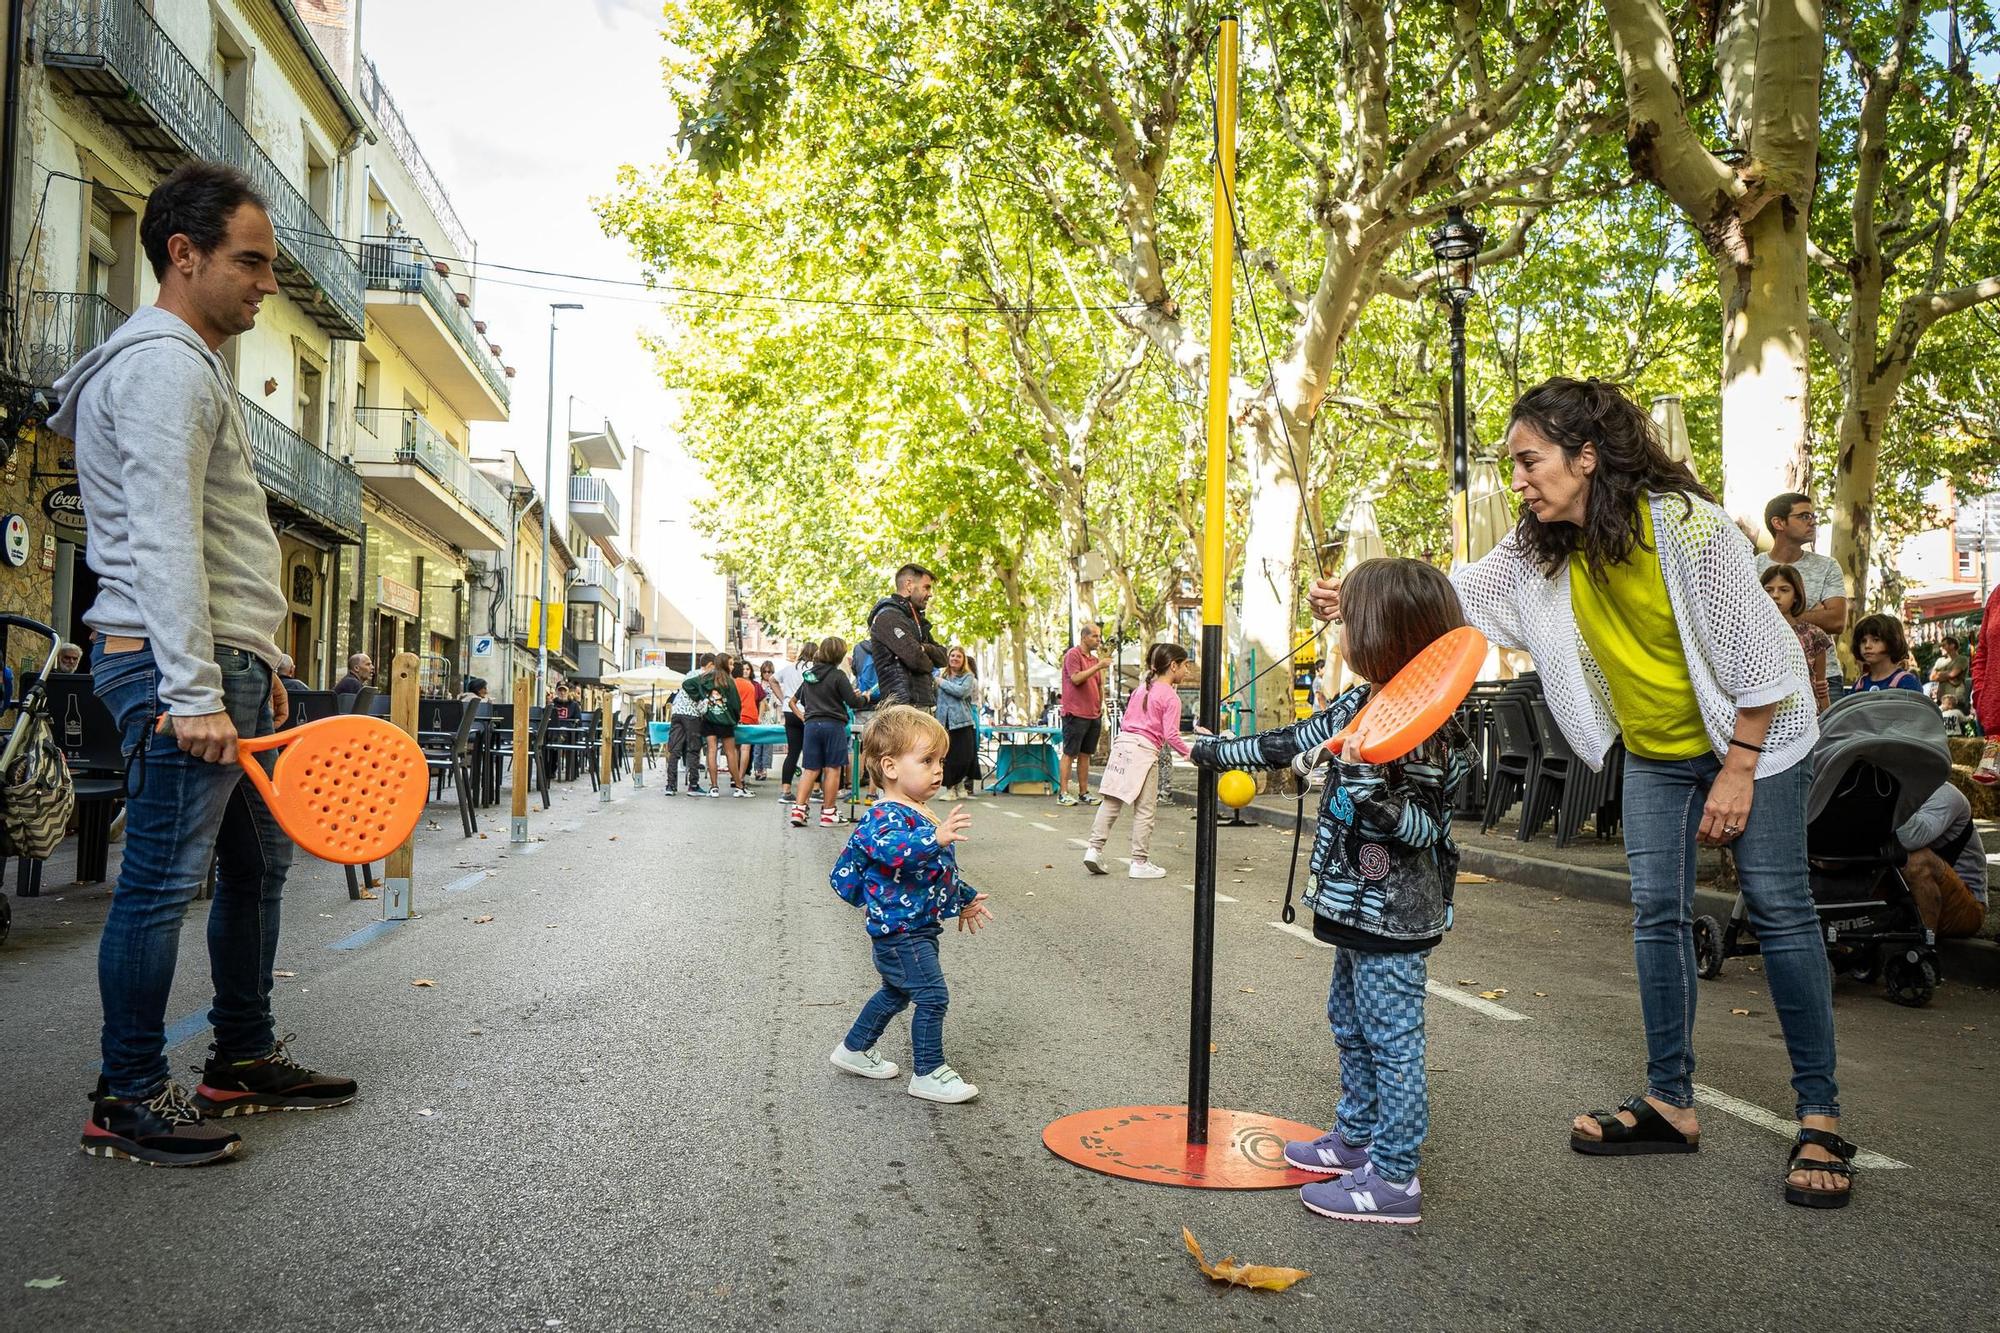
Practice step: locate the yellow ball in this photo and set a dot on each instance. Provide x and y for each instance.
(1235, 788)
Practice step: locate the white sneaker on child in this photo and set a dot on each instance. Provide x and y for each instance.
(865, 1063)
(1093, 861)
(942, 1085)
(1146, 870)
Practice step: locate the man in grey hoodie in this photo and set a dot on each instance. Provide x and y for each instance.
(188, 603)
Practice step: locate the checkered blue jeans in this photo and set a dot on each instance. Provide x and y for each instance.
(1376, 1008)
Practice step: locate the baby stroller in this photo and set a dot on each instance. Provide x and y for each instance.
(37, 796)
(1879, 757)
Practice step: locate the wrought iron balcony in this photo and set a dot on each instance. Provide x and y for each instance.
(401, 264)
(61, 327)
(117, 57)
(309, 485)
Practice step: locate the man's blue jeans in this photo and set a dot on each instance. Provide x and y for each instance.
(1663, 809)
(911, 974)
(183, 816)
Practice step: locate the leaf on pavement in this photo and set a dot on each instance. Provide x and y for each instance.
(481, 920)
(1247, 990)
(1259, 1277)
(1541, 995)
(1467, 981)
(1467, 877)
(1740, 1013)
(1493, 994)
(43, 1283)
(423, 981)
(1213, 1048)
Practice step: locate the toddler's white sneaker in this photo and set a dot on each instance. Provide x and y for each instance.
(942, 1085)
(865, 1063)
(1146, 870)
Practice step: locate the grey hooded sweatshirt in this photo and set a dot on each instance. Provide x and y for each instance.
(179, 534)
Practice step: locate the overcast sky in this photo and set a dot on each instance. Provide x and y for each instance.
(526, 116)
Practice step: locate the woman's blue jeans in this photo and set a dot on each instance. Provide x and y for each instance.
(1663, 809)
(183, 815)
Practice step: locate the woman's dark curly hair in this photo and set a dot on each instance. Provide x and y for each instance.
(1630, 461)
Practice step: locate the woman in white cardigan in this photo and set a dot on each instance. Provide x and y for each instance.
(1639, 600)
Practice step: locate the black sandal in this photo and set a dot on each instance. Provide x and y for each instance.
(1653, 1133)
(1806, 1197)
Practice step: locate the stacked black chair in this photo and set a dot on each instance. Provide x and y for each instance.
(89, 737)
(1516, 752)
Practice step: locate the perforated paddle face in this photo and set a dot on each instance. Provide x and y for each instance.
(347, 789)
(1410, 708)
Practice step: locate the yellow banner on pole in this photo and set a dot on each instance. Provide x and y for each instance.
(550, 619)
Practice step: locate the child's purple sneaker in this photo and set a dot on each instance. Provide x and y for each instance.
(1328, 1155)
(1365, 1197)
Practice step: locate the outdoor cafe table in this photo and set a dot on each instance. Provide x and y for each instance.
(1022, 754)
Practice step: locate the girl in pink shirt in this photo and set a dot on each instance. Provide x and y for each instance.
(1152, 720)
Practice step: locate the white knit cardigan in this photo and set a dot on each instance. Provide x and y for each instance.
(1740, 652)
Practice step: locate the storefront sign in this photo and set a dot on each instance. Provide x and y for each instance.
(64, 506)
(15, 529)
(399, 597)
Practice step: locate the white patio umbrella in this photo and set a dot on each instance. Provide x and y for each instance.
(1489, 511)
(1673, 427)
(639, 680)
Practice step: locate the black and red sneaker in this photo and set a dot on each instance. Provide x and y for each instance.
(274, 1082)
(165, 1129)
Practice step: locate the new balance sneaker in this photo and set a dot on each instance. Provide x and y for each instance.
(942, 1085)
(1365, 1197)
(1093, 861)
(1327, 1155)
(798, 816)
(865, 1063)
(1146, 870)
(164, 1130)
(1064, 798)
(275, 1082)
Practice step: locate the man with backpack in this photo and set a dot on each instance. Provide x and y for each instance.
(902, 653)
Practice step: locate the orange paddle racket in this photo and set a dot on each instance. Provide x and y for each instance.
(347, 789)
(1421, 698)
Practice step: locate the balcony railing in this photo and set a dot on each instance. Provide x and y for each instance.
(422, 445)
(117, 55)
(635, 620)
(401, 264)
(389, 116)
(302, 477)
(61, 327)
(600, 575)
(594, 491)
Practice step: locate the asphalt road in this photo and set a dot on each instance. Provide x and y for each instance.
(613, 1110)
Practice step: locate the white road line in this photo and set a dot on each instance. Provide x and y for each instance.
(1011, 814)
(1487, 1007)
(1777, 1124)
(1046, 828)
(1302, 933)
(1078, 843)
(1220, 897)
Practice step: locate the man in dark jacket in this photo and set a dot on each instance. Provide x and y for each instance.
(900, 634)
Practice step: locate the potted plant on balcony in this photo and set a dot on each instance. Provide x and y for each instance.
(464, 301)
(443, 269)
(480, 325)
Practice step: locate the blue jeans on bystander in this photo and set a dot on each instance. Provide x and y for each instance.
(184, 816)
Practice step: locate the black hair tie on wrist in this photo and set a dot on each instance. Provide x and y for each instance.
(1754, 749)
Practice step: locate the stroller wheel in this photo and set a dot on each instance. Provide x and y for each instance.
(1708, 953)
(1911, 978)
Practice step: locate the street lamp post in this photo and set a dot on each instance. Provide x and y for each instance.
(548, 503)
(1455, 251)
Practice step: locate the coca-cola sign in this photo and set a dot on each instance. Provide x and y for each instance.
(64, 506)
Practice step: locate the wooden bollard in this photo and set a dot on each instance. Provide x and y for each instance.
(604, 748)
(524, 693)
(641, 755)
(398, 874)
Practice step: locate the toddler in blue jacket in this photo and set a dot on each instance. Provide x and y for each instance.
(899, 867)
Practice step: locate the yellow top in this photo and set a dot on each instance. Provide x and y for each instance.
(1628, 623)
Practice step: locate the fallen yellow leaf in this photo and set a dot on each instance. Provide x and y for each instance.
(423, 983)
(1467, 877)
(1260, 1277)
(1492, 994)
(1541, 995)
(1247, 990)
(481, 920)
(1740, 1013)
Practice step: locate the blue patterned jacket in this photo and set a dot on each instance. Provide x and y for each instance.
(894, 868)
(1382, 857)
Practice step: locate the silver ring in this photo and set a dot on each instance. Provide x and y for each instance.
(1730, 828)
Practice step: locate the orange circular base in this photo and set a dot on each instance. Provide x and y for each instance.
(1245, 1149)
